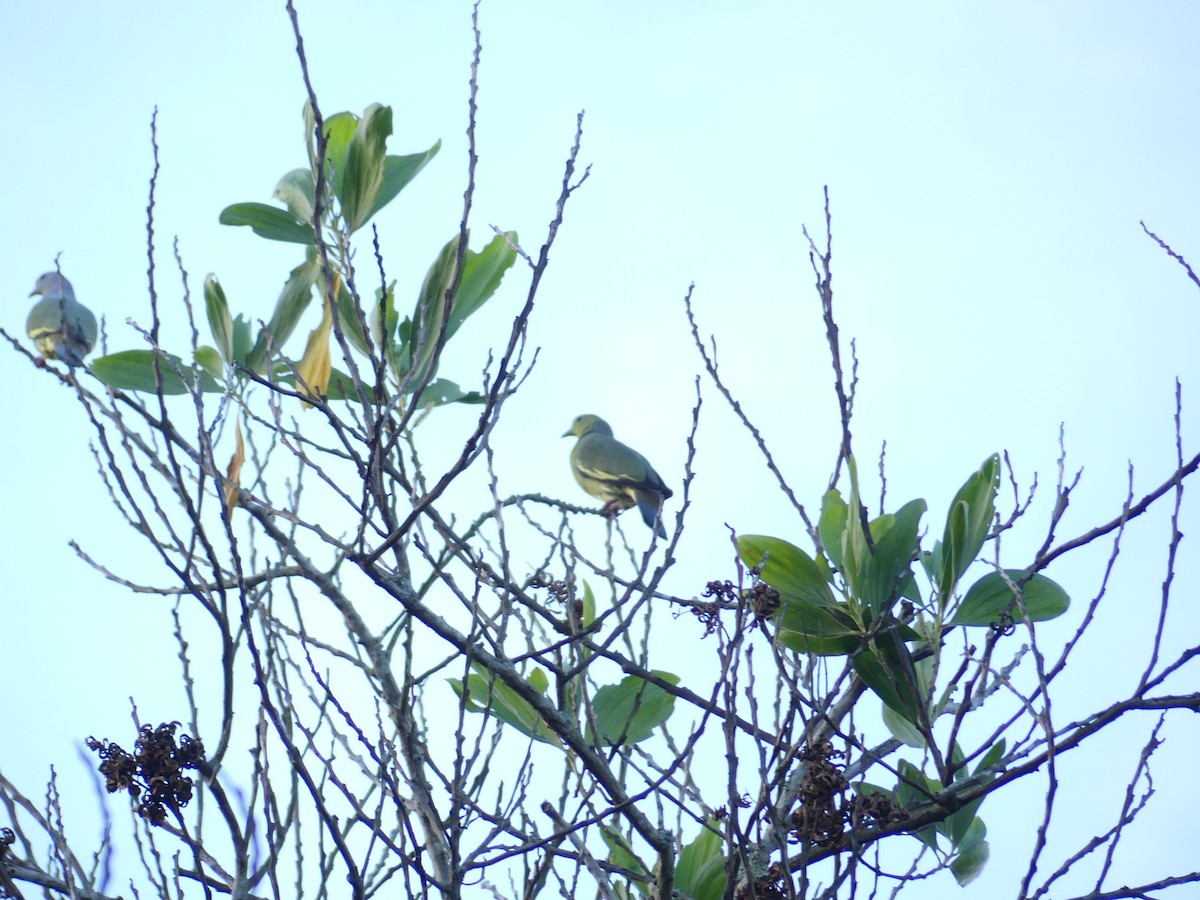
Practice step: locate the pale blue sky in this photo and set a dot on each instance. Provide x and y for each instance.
(988, 167)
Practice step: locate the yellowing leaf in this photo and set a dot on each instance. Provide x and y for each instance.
(234, 473)
(315, 367)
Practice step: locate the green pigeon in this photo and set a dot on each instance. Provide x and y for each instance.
(614, 473)
(61, 326)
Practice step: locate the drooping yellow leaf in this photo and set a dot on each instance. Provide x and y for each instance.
(233, 474)
(315, 366)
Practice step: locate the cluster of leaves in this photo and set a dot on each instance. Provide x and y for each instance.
(859, 597)
(620, 714)
(153, 773)
(962, 829)
(360, 179)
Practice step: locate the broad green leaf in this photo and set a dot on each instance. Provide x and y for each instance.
(887, 570)
(339, 132)
(887, 669)
(363, 178)
(422, 336)
(902, 730)
(219, 320)
(953, 539)
(992, 758)
(931, 561)
(915, 790)
(209, 360)
(819, 630)
(296, 190)
(133, 370)
(442, 391)
(700, 870)
(310, 129)
(621, 854)
(484, 694)
(384, 319)
(788, 569)
(398, 171)
(482, 273)
(352, 321)
(293, 300)
(241, 340)
(629, 711)
(854, 538)
(988, 598)
(957, 827)
(341, 387)
(968, 522)
(911, 590)
(589, 606)
(271, 222)
(832, 525)
(867, 790)
(972, 855)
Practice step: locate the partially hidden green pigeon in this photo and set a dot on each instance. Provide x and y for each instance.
(614, 473)
(61, 326)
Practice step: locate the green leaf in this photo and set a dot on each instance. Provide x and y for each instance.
(352, 320)
(341, 387)
(293, 300)
(902, 730)
(484, 694)
(855, 549)
(832, 525)
(363, 179)
(268, 221)
(887, 570)
(339, 132)
(972, 855)
(241, 340)
(209, 360)
(989, 597)
(422, 335)
(133, 370)
(821, 631)
(589, 607)
(628, 712)
(296, 189)
(700, 870)
(788, 569)
(887, 669)
(219, 320)
(915, 790)
(957, 827)
(482, 274)
(621, 854)
(967, 523)
(398, 171)
(991, 759)
(442, 391)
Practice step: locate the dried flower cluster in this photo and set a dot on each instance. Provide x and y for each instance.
(153, 773)
(823, 813)
(7, 887)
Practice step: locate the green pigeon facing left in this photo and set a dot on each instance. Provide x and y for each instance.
(61, 326)
(615, 473)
